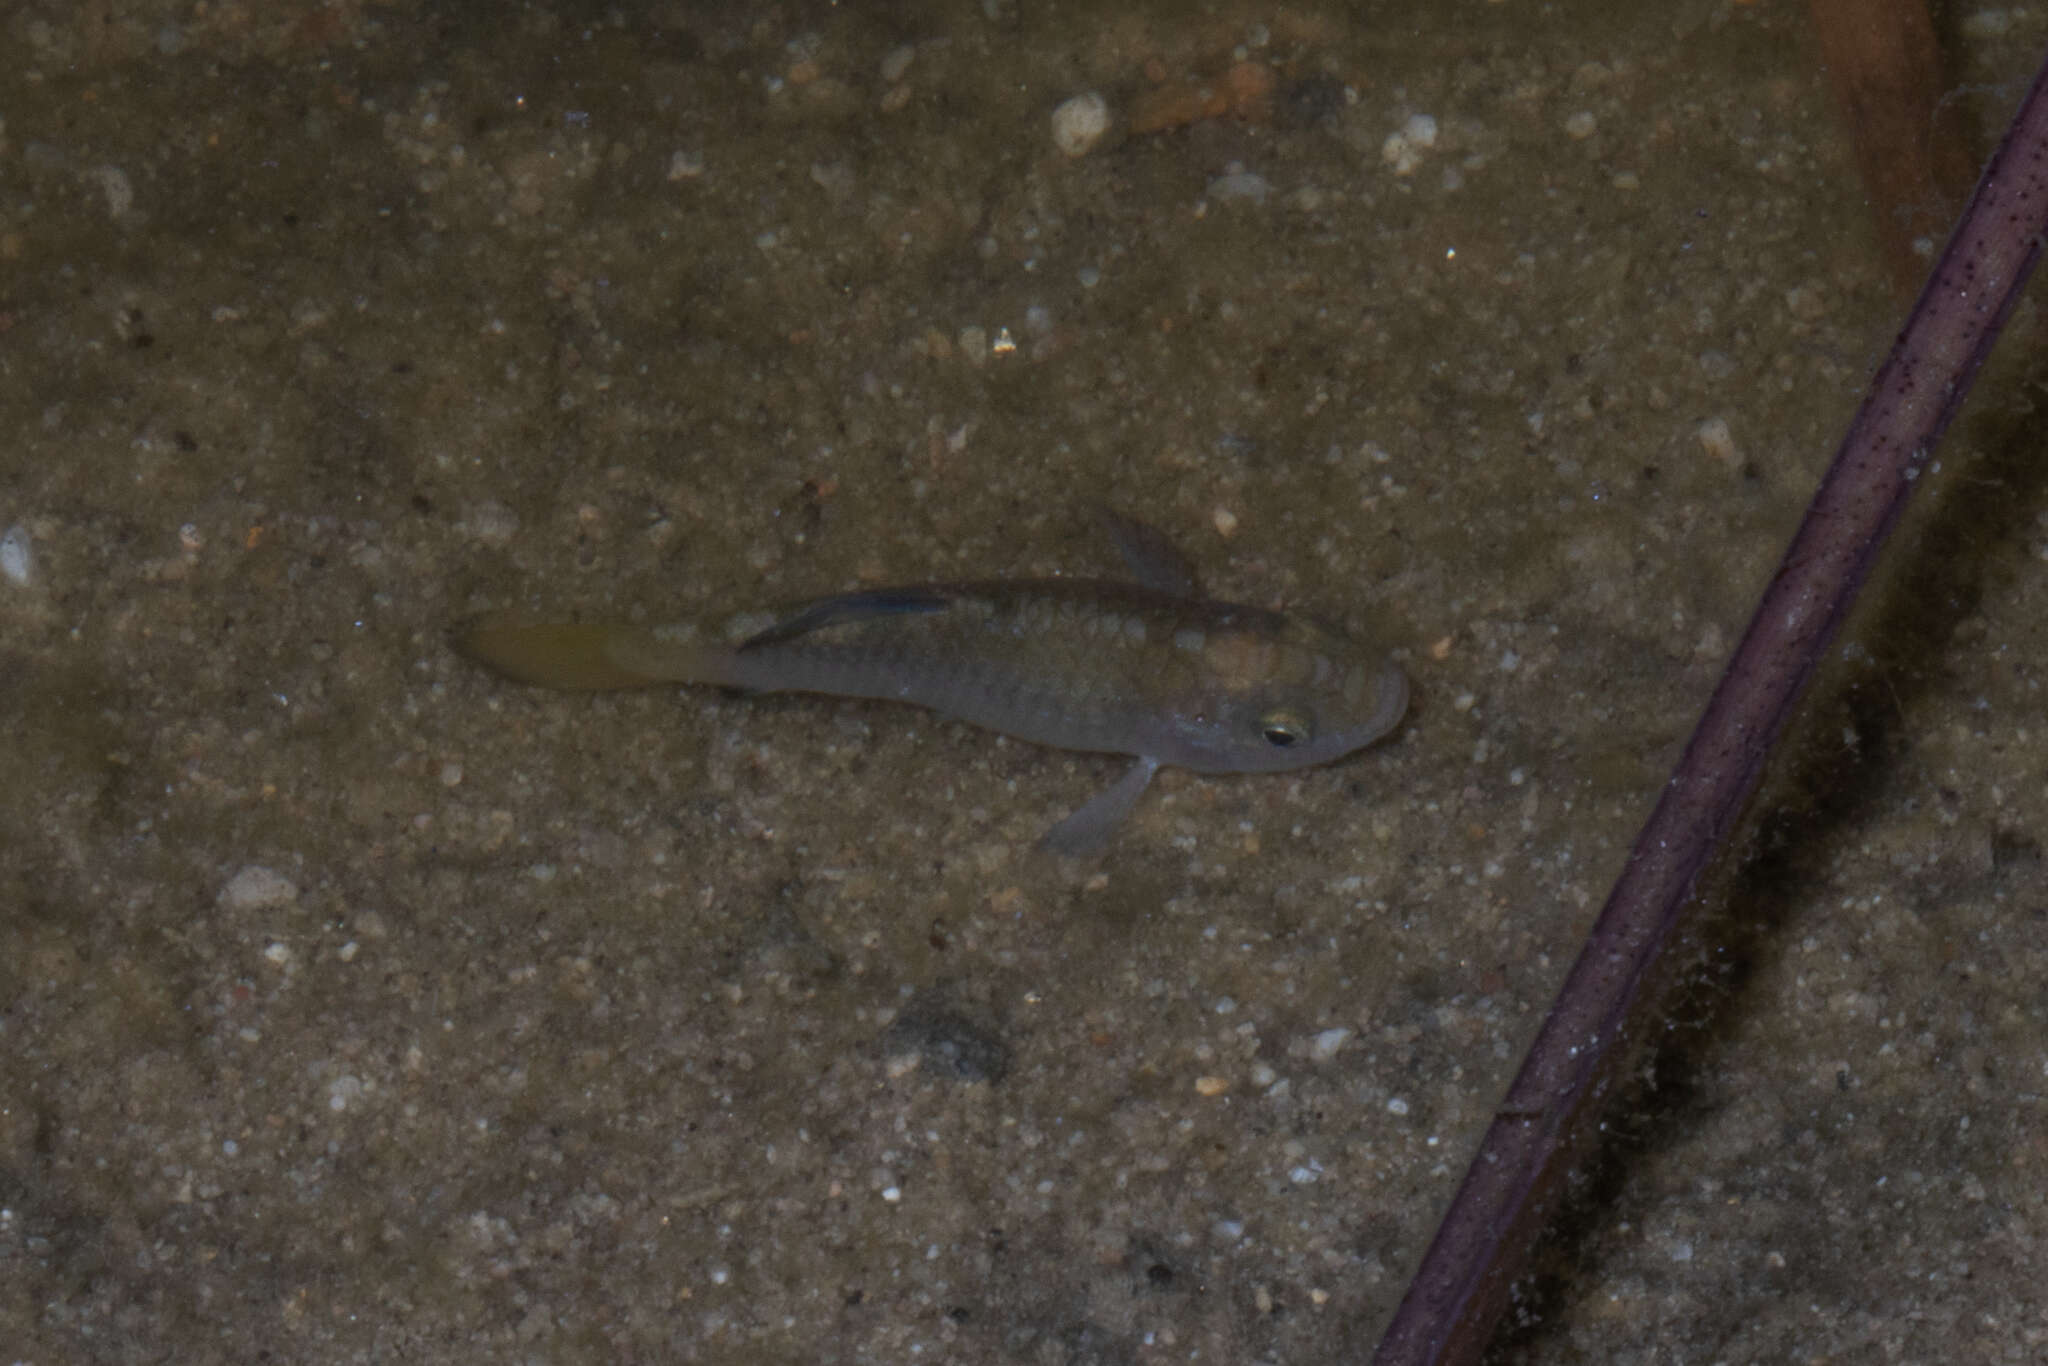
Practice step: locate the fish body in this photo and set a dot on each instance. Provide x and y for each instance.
(1149, 669)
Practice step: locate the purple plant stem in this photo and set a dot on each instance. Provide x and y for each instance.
(1549, 1115)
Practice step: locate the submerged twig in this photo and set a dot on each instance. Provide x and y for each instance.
(1547, 1118)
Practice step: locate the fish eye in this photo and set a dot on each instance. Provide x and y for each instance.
(1284, 729)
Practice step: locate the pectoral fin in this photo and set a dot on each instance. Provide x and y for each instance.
(1088, 829)
(1151, 559)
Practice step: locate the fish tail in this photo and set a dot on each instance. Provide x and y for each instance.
(565, 655)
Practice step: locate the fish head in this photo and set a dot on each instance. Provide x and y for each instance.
(1273, 693)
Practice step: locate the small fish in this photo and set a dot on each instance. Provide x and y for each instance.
(1149, 668)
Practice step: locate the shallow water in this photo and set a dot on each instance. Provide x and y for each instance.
(360, 1005)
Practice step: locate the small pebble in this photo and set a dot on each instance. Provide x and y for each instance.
(897, 61)
(1211, 1086)
(1807, 303)
(836, 178)
(113, 183)
(257, 888)
(1581, 126)
(490, 522)
(1716, 441)
(1080, 123)
(17, 556)
(1400, 155)
(1716, 365)
(1238, 183)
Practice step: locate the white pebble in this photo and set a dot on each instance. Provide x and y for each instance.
(490, 522)
(1420, 130)
(1079, 123)
(113, 182)
(257, 888)
(1716, 440)
(1325, 1045)
(17, 556)
(1238, 183)
(1401, 155)
(1581, 126)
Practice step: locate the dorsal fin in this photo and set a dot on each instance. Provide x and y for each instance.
(837, 611)
(1151, 559)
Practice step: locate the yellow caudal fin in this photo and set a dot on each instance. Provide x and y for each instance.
(561, 655)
